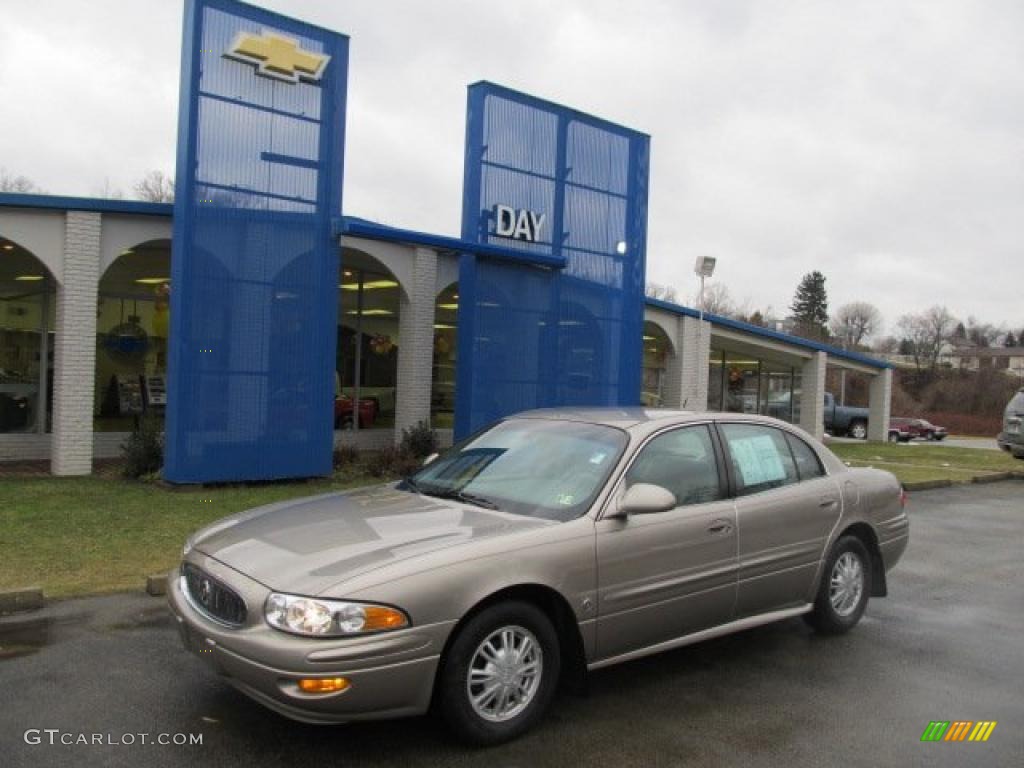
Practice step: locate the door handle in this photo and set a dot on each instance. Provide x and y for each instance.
(719, 526)
(828, 501)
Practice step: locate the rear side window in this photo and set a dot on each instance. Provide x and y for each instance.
(760, 457)
(808, 465)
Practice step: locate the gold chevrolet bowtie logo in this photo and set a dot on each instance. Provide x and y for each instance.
(277, 56)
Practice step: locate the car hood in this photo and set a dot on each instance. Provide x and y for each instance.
(308, 545)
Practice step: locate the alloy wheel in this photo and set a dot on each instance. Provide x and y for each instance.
(505, 674)
(847, 584)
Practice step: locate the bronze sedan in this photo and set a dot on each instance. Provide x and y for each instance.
(554, 542)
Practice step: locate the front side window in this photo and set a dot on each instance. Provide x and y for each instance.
(538, 467)
(682, 461)
(761, 459)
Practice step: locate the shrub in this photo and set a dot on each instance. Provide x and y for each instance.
(419, 441)
(392, 462)
(143, 450)
(345, 456)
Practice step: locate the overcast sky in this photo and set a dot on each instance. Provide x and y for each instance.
(879, 142)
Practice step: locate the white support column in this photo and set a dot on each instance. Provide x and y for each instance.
(812, 395)
(672, 383)
(879, 406)
(75, 347)
(416, 344)
(695, 343)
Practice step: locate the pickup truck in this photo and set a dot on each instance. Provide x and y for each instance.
(845, 419)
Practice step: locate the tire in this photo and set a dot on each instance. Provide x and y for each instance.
(894, 437)
(834, 615)
(487, 633)
(858, 430)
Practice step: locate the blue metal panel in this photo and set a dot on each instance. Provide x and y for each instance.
(532, 336)
(254, 263)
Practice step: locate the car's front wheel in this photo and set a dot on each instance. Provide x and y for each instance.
(499, 674)
(845, 586)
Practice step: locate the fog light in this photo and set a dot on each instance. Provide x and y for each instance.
(323, 684)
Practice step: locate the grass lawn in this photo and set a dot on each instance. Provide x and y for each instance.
(914, 462)
(78, 535)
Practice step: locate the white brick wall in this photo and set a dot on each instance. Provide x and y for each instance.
(880, 405)
(812, 395)
(75, 346)
(416, 344)
(693, 379)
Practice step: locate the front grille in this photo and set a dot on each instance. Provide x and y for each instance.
(212, 597)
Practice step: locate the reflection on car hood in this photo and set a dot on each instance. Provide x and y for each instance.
(308, 545)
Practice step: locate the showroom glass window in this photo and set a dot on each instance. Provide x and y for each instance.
(27, 317)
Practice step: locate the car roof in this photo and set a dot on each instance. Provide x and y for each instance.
(622, 417)
(630, 417)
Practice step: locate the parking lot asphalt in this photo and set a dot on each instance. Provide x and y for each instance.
(947, 644)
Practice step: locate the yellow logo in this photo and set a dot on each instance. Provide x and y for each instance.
(278, 57)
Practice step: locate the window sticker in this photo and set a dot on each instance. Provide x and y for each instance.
(758, 459)
(565, 499)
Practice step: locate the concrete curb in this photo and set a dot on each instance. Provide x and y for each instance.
(156, 585)
(995, 477)
(927, 485)
(15, 600)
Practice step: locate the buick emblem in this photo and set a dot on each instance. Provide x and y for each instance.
(204, 591)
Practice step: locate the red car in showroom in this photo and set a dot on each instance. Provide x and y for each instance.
(343, 410)
(910, 429)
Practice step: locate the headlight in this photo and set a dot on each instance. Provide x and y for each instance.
(330, 618)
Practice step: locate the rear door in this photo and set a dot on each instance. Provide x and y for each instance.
(667, 574)
(786, 508)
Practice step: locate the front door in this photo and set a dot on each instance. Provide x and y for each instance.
(667, 574)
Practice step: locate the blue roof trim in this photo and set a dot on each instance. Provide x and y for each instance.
(767, 333)
(98, 204)
(356, 227)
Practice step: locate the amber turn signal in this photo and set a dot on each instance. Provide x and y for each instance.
(381, 617)
(323, 684)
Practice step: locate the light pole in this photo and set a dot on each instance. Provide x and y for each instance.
(703, 268)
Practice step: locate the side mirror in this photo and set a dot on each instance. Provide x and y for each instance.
(645, 498)
(430, 458)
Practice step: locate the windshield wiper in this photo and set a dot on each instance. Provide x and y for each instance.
(449, 493)
(467, 498)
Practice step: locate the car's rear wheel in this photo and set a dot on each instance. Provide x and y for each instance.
(894, 437)
(858, 430)
(845, 587)
(500, 673)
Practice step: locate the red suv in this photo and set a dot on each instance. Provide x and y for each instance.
(916, 428)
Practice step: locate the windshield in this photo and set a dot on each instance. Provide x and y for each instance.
(536, 467)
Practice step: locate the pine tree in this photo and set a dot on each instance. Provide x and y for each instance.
(810, 307)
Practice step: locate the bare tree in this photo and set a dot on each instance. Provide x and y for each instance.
(854, 323)
(108, 191)
(155, 187)
(17, 184)
(926, 334)
(661, 292)
(982, 334)
(718, 300)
